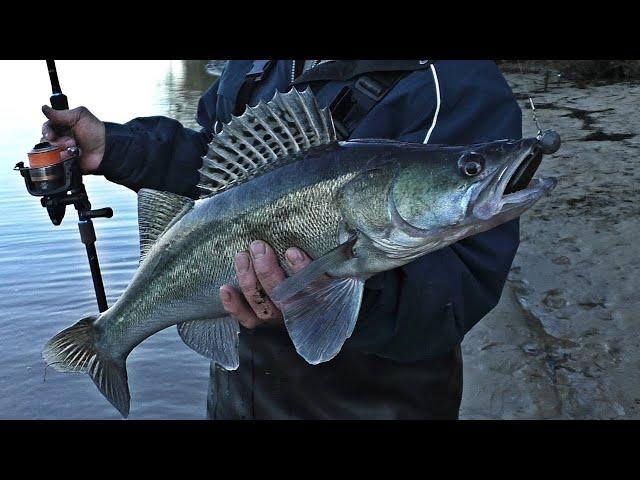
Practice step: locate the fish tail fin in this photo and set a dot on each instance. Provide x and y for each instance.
(74, 350)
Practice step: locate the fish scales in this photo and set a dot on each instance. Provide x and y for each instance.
(278, 174)
(307, 217)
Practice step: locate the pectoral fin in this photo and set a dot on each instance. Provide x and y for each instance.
(216, 339)
(315, 270)
(320, 312)
(321, 316)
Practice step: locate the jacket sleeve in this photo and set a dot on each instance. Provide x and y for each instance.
(159, 152)
(425, 308)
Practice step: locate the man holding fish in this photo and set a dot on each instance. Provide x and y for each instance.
(403, 359)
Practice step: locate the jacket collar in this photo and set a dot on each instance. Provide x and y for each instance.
(346, 69)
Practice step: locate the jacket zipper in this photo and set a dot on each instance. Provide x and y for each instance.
(293, 68)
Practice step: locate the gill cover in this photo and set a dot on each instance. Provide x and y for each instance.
(364, 200)
(430, 195)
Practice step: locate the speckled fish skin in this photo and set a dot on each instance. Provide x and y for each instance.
(181, 275)
(397, 200)
(297, 204)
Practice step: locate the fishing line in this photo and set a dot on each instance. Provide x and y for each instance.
(535, 119)
(533, 107)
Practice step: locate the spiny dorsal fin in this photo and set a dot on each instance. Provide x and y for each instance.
(264, 136)
(156, 211)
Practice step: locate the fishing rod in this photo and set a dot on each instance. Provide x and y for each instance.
(59, 182)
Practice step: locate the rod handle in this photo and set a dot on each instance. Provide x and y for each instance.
(59, 101)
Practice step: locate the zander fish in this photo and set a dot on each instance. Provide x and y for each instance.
(277, 173)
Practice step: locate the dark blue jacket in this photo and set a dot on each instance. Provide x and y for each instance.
(416, 311)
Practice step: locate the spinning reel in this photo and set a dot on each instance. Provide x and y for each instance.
(58, 181)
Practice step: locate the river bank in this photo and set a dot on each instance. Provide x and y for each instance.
(564, 341)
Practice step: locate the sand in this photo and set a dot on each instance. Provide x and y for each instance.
(564, 341)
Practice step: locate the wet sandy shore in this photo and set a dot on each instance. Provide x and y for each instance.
(564, 342)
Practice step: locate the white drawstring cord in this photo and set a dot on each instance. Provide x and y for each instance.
(435, 116)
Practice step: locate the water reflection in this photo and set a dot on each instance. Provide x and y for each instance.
(45, 284)
(185, 83)
(215, 67)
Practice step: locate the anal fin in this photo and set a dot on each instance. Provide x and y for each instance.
(215, 338)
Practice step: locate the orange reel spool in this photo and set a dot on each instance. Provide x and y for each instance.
(44, 155)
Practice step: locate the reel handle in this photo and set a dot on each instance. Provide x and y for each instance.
(106, 212)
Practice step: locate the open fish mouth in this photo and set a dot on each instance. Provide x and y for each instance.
(524, 172)
(521, 186)
(514, 189)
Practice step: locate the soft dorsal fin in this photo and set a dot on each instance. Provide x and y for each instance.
(264, 136)
(156, 211)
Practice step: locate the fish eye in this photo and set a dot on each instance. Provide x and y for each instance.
(471, 164)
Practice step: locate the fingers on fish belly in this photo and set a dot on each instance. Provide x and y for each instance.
(258, 299)
(258, 275)
(263, 307)
(251, 307)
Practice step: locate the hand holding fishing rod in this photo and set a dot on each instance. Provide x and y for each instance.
(56, 165)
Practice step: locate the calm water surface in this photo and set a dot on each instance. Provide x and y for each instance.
(45, 283)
